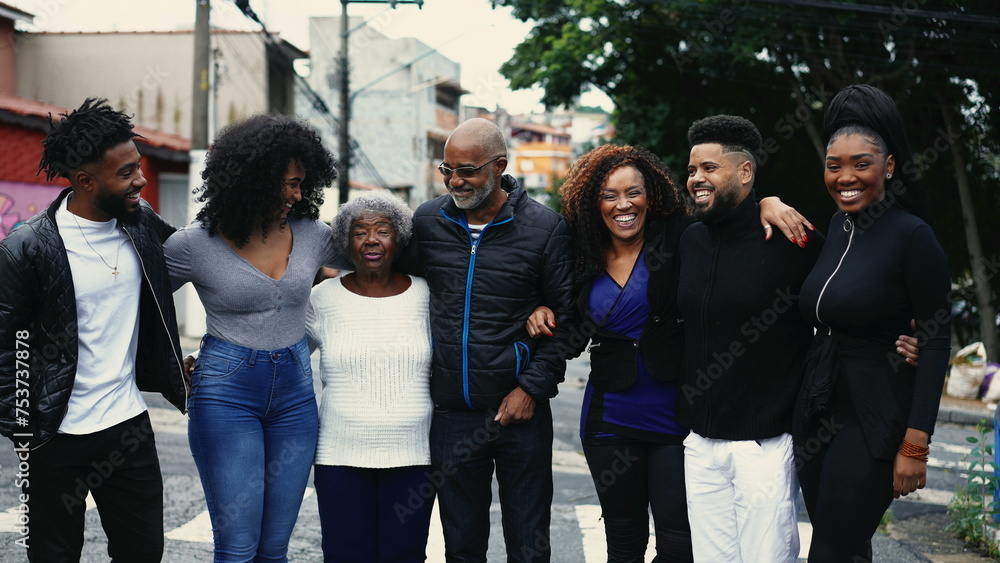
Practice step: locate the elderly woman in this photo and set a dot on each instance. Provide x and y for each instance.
(373, 332)
(252, 256)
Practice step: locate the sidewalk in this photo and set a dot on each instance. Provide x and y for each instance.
(922, 538)
(965, 411)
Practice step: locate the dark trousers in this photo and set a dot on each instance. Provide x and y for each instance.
(374, 515)
(632, 479)
(465, 448)
(846, 491)
(119, 467)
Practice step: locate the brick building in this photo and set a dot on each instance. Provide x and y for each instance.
(24, 192)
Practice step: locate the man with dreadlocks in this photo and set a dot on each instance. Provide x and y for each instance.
(86, 321)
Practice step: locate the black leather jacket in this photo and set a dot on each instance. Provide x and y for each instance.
(38, 324)
(483, 291)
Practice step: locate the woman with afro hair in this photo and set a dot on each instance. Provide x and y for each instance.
(252, 255)
(627, 214)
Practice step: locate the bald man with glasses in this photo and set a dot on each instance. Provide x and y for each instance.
(491, 255)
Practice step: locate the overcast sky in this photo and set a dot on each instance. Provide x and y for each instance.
(467, 31)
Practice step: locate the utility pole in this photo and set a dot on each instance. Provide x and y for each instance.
(202, 62)
(344, 181)
(191, 314)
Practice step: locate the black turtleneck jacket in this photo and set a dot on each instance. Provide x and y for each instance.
(878, 270)
(744, 337)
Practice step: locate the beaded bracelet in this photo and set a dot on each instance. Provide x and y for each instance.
(909, 449)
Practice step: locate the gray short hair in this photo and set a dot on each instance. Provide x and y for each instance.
(375, 203)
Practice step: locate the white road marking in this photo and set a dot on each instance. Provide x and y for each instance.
(595, 547)
(569, 462)
(435, 540)
(952, 448)
(930, 496)
(805, 539)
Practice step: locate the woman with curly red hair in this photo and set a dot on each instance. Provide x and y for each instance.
(627, 214)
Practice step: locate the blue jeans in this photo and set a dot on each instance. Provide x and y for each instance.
(252, 426)
(373, 515)
(465, 447)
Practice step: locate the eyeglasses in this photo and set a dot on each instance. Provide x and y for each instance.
(465, 171)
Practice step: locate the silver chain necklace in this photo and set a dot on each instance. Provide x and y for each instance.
(114, 269)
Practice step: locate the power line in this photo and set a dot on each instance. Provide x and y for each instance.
(315, 100)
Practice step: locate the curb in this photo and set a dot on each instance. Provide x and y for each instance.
(968, 417)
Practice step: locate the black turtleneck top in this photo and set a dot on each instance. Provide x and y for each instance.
(879, 269)
(744, 337)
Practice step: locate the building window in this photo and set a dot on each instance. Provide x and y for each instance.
(435, 149)
(447, 96)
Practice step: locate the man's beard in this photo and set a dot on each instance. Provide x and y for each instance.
(723, 202)
(114, 206)
(479, 195)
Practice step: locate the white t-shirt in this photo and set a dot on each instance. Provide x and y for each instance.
(107, 316)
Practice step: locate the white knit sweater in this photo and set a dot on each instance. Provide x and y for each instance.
(375, 361)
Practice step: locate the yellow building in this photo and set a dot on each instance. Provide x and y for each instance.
(539, 153)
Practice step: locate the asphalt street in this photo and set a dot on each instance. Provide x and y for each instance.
(577, 532)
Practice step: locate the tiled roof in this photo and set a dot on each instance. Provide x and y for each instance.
(33, 108)
(539, 128)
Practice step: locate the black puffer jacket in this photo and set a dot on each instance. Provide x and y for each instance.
(38, 308)
(483, 291)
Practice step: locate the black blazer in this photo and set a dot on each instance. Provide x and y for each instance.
(613, 357)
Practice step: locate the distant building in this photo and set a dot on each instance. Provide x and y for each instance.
(9, 44)
(148, 74)
(29, 58)
(405, 104)
(23, 193)
(588, 127)
(539, 154)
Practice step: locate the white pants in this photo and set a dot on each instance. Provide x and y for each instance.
(742, 499)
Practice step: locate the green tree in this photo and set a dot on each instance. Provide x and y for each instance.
(778, 63)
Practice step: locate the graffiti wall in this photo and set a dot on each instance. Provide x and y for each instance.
(19, 201)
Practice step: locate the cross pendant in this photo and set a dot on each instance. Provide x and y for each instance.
(115, 272)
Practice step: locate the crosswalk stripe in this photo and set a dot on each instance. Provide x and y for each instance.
(930, 496)
(569, 462)
(435, 540)
(595, 547)
(805, 539)
(945, 464)
(198, 529)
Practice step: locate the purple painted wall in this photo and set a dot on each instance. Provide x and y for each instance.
(19, 201)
